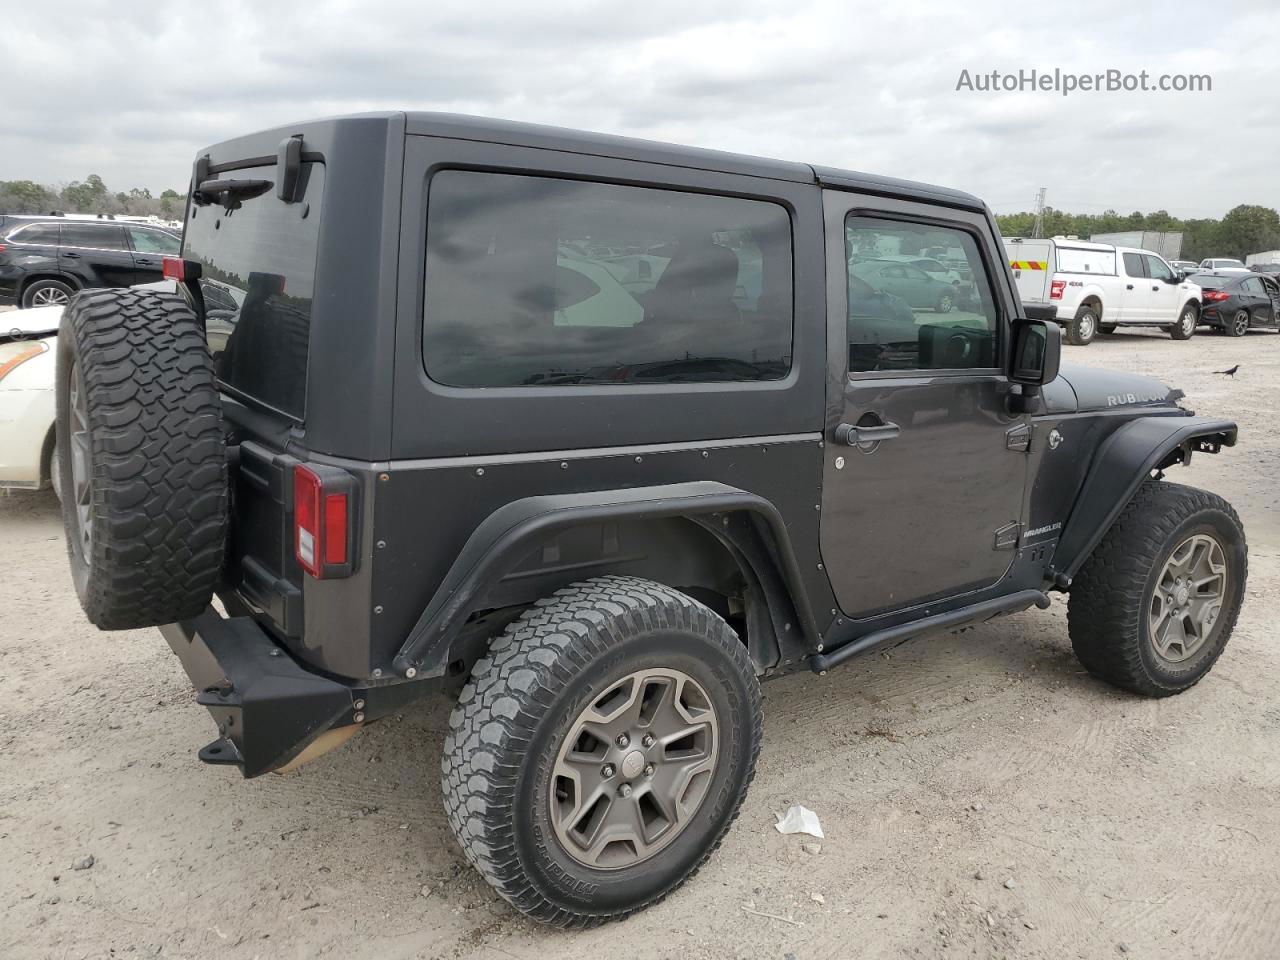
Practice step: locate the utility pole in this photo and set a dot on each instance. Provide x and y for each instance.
(1037, 228)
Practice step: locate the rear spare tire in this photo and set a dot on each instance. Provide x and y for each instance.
(143, 461)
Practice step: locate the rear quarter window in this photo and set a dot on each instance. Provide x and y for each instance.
(258, 265)
(537, 281)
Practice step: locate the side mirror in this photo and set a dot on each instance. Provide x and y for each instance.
(1176, 278)
(1037, 353)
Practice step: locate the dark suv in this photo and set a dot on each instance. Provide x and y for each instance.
(595, 435)
(44, 260)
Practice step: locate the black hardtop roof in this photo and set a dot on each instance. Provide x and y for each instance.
(514, 133)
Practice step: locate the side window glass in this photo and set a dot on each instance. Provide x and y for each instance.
(903, 318)
(536, 281)
(92, 236)
(1156, 268)
(1254, 286)
(46, 233)
(1133, 265)
(153, 241)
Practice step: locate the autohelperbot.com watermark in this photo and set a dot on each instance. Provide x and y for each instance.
(1066, 82)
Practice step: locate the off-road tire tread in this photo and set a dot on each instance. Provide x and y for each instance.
(508, 694)
(1105, 607)
(159, 457)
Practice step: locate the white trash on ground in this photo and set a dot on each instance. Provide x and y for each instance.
(799, 819)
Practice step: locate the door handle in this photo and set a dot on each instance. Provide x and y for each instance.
(853, 435)
(1157, 289)
(71, 256)
(1128, 286)
(145, 263)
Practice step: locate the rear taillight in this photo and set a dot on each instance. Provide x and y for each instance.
(175, 268)
(2, 248)
(1214, 296)
(323, 502)
(1056, 289)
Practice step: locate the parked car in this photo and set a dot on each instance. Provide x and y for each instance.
(1185, 267)
(933, 267)
(43, 260)
(1098, 287)
(1235, 304)
(908, 283)
(399, 475)
(28, 455)
(1222, 265)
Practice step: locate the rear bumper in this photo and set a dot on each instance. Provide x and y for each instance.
(268, 707)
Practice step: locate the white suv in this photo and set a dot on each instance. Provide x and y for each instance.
(1098, 287)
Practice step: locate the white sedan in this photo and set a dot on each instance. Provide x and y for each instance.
(28, 345)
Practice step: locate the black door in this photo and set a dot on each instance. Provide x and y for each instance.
(96, 251)
(922, 494)
(150, 247)
(1261, 309)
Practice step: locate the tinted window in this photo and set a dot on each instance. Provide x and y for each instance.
(153, 241)
(1157, 269)
(533, 281)
(36, 233)
(98, 236)
(258, 275)
(901, 318)
(1133, 265)
(1077, 260)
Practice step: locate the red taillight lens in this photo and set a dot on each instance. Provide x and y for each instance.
(1056, 289)
(322, 498)
(2, 248)
(308, 535)
(1215, 295)
(175, 268)
(335, 528)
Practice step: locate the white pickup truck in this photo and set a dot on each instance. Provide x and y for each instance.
(1098, 287)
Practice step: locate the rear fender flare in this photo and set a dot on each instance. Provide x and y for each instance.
(1124, 460)
(498, 544)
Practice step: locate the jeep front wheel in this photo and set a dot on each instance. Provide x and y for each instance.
(1153, 607)
(601, 749)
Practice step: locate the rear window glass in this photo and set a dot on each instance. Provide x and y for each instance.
(1075, 260)
(534, 281)
(258, 265)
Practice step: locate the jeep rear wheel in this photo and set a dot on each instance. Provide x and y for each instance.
(142, 465)
(601, 749)
(1083, 327)
(1154, 606)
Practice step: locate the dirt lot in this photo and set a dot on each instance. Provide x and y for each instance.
(981, 796)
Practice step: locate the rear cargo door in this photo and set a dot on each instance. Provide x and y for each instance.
(1031, 261)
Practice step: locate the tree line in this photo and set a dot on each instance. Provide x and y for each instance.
(90, 195)
(1245, 229)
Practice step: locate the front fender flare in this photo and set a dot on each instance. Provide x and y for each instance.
(502, 539)
(1124, 460)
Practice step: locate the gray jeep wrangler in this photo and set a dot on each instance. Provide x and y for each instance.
(594, 435)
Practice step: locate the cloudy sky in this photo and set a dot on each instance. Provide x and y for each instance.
(130, 90)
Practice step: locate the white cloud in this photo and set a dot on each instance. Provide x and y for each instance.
(132, 90)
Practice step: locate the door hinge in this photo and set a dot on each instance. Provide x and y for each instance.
(1018, 437)
(1007, 536)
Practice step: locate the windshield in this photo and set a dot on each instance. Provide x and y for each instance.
(258, 265)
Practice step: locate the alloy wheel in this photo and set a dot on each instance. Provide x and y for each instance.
(1240, 323)
(81, 491)
(1188, 598)
(50, 297)
(634, 768)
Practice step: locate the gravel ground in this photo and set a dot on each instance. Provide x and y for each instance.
(981, 796)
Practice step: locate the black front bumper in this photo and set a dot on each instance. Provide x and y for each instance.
(267, 706)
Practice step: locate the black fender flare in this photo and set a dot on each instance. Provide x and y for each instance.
(504, 537)
(1124, 460)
